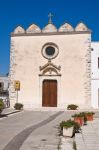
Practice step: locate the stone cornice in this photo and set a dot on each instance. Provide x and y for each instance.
(50, 33)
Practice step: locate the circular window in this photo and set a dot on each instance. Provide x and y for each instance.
(50, 51)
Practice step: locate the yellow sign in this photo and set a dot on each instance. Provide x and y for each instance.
(17, 85)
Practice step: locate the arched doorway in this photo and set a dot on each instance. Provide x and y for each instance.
(49, 93)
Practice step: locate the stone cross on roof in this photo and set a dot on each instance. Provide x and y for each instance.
(50, 18)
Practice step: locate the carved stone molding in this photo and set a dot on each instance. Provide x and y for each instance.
(50, 69)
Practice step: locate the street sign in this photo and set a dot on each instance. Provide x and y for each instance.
(17, 85)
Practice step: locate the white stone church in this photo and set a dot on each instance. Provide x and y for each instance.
(54, 67)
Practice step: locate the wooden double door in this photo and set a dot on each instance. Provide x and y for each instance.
(49, 95)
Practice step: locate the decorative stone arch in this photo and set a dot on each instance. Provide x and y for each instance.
(33, 28)
(81, 27)
(50, 69)
(66, 27)
(49, 28)
(18, 30)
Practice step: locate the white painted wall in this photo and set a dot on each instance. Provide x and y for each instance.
(5, 80)
(95, 74)
(74, 58)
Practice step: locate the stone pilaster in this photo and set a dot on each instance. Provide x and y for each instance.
(87, 84)
(12, 92)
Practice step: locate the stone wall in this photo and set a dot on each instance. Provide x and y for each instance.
(74, 84)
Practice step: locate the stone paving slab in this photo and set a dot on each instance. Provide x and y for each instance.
(66, 143)
(89, 138)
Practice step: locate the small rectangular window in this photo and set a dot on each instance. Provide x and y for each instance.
(1, 86)
(98, 62)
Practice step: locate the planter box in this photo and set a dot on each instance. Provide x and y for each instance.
(79, 120)
(68, 132)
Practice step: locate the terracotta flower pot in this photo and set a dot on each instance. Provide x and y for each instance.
(89, 117)
(79, 120)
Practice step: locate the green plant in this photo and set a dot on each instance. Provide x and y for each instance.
(85, 118)
(72, 107)
(78, 115)
(90, 113)
(18, 106)
(81, 115)
(76, 127)
(66, 124)
(70, 123)
(1, 105)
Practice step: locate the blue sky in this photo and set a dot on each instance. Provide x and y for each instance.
(26, 12)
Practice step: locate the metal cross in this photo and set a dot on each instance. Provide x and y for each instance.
(50, 17)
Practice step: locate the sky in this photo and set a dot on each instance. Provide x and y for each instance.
(26, 12)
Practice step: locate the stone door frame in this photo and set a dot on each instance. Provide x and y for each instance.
(58, 79)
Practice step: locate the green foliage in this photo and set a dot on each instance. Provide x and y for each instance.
(78, 115)
(81, 115)
(84, 115)
(72, 107)
(66, 124)
(1, 105)
(76, 127)
(70, 123)
(89, 113)
(18, 106)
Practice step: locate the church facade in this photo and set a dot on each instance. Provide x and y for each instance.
(52, 67)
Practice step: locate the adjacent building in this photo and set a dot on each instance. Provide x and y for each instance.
(4, 86)
(95, 74)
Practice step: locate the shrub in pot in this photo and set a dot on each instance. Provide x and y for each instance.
(79, 118)
(76, 127)
(72, 107)
(85, 118)
(18, 106)
(1, 105)
(89, 116)
(69, 127)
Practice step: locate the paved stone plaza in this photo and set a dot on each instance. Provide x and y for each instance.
(89, 139)
(38, 130)
(35, 129)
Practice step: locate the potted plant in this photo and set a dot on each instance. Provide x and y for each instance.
(85, 118)
(18, 106)
(76, 127)
(72, 107)
(1, 105)
(69, 128)
(79, 118)
(89, 116)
